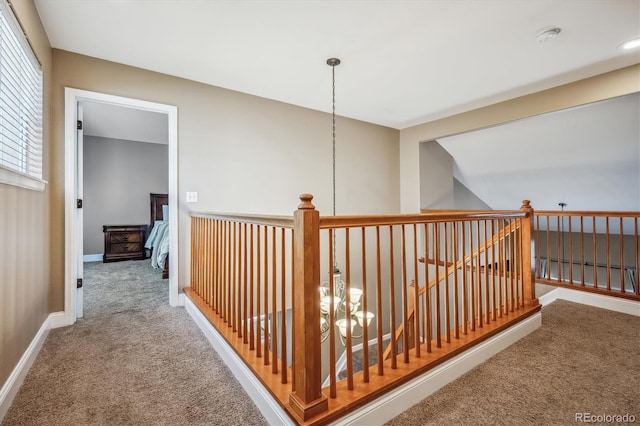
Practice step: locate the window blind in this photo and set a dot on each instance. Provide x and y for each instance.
(20, 99)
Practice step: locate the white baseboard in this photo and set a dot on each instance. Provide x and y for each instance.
(92, 257)
(268, 406)
(13, 383)
(399, 400)
(592, 299)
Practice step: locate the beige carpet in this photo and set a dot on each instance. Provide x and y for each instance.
(582, 360)
(133, 360)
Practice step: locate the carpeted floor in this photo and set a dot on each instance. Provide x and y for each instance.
(132, 360)
(582, 360)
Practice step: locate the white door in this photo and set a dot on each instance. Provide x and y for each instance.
(79, 218)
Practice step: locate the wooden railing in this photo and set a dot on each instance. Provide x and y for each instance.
(436, 284)
(590, 251)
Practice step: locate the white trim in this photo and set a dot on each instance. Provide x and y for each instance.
(72, 97)
(342, 361)
(611, 303)
(57, 320)
(401, 399)
(268, 406)
(549, 297)
(14, 178)
(13, 383)
(92, 257)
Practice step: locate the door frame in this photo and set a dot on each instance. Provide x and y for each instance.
(71, 246)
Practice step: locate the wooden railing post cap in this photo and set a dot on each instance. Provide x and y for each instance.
(526, 204)
(306, 202)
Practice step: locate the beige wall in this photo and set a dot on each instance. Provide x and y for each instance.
(241, 153)
(605, 86)
(24, 232)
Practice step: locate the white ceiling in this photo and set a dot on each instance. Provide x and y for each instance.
(111, 121)
(403, 63)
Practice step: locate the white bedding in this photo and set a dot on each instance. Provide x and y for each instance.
(158, 242)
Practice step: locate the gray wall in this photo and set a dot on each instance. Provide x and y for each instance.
(118, 177)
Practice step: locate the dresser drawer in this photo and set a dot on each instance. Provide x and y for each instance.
(124, 242)
(125, 237)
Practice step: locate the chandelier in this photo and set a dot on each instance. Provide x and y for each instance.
(333, 294)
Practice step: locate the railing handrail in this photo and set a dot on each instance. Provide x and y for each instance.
(354, 221)
(586, 213)
(256, 219)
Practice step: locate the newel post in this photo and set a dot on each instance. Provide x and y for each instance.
(528, 255)
(307, 399)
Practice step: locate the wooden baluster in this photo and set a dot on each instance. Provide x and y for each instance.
(206, 292)
(392, 301)
(559, 251)
(283, 309)
(497, 269)
(486, 272)
(258, 292)
(416, 300)
(224, 279)
(216, 289)
(252, 341)
(405, 321)
(274, 299)
(436, 233)
(266, 296)
(548, 247)
(582, 248)
(234, 280)
(622, 270)
(365, 329)
(528, 250)
(307, 400)
(513, 253)
(347, 309)
(293, 318)
(637, 246)
(456, 297)
(472, 275)
(465, 283)
(379, 305)
(427, 290)
(594, 247)
(332, 319)
(447, 302)
(570, 244)
(608, 253)
(245, 285)
(479, 279)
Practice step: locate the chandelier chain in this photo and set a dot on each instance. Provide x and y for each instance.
(333, 122)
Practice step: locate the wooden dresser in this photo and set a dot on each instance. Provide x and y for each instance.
(124, 242)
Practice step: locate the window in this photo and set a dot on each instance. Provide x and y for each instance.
(20, 106)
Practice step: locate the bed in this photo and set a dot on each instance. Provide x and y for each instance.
(158, 240)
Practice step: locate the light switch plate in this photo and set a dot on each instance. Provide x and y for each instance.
(192, 197)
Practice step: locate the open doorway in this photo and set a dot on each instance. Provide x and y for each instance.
(76, 102)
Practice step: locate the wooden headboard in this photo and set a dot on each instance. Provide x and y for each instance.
(157, 201)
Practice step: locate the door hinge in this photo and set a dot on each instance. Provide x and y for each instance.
(79, 203)
(79, 125)
(79, 283)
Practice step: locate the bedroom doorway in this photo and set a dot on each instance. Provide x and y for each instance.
(76, 103)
